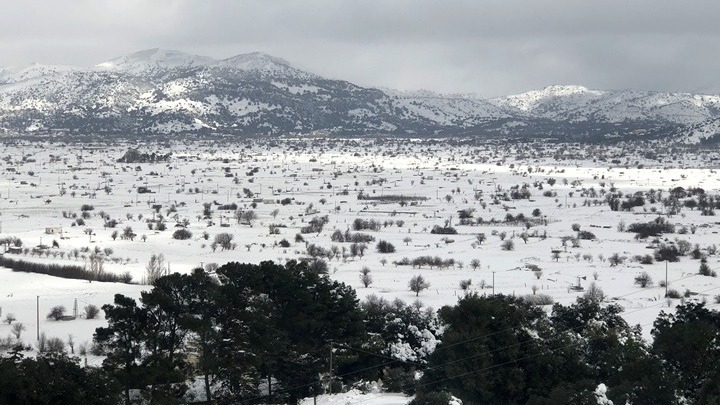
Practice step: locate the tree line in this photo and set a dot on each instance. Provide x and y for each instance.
(271, 333)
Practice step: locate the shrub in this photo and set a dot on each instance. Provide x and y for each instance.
(705, 270)
(54, 345)
(284, 243)
(57, 312)
(443, 230)
(182, 234)
(397, 379)
(508, 245)
(91, 311)
(10, 318)
(653, 228)
(667, 252)
(360, 224)
(465, 284)
(385, 247)
(643, 280)
(318, 266)
(616, 259)
(586, 235)
(365, 277)
(673, 294)
(645, 259)
(538, 299)
(594, 293)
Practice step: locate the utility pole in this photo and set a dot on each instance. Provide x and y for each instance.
(331, 369)
(666, 278)
(493, 283)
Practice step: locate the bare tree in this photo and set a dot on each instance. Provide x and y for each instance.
(417, 284)
(10, 318)
(17, 329)
(224, 240)
(365, 277)
(594, 293)
(97, 265)
(155, 268)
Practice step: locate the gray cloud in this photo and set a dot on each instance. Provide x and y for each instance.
(487, 47)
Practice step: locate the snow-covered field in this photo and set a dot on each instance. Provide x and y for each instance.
(43, 184)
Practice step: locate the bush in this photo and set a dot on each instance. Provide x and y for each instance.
(284, 243)
(653, 228)
(616, 259)
(705, 270)
(465, 284)
(643, 280)
(673, 294)
(508, 245)
(91, 311)
(54, 345)
(594, 293)
(56, 313)
(385, 247)
(182, 234)
(370, 224)
(443, 230)
(586, 235)
(396, 379)
(667, 252)
(538, 299)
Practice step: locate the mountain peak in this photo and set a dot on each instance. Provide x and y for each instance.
(564, 89)
(263, 65)
(155, 57)
(256, 58)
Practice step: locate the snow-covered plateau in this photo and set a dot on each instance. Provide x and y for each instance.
(67, 201)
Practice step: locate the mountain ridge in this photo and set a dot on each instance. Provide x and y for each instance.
(160, 91)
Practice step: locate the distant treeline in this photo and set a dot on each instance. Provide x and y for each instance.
(390, 198)
(56, 270)
(135, 156)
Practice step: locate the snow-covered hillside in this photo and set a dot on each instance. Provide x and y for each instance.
(166, 91)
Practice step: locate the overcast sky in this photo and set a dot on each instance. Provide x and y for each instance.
(469, 46)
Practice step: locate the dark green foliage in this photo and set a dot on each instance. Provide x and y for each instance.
(135, 156)
(687, 342)
(182, 234)
(653, 228)
(490, 347)
(54, 379)
(432, 398)
(297, 313)
(668, 253)
(443, 230)
(370, 224)
(385, 247)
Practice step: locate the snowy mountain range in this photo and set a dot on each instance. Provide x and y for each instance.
(159, 91)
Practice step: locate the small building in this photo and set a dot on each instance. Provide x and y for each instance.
(53, 230)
